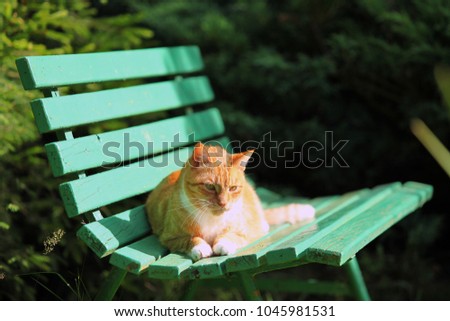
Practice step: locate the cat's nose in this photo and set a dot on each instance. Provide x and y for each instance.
(222, 204)
(221, 200)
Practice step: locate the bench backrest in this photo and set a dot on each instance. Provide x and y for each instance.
(119, 164)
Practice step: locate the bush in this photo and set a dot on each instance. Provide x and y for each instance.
(30, 209)
(361, 69)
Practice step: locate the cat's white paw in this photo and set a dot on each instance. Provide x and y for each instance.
(224, 247)
(265, 226)
(201, 251)
(300, 212)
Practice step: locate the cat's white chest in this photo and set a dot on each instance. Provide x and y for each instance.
(211, 226)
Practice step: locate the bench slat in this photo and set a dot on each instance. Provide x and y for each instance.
(101, 189)
(215, 266)
(61, 70)
(108, 187)
(424, 190)
(338, 247)
(107, 235)
(68, 111)
(297, 243)
(172, 266)
(88, 152)
(251, 257)
(139, 255)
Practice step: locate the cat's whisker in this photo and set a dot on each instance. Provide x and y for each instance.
(200, 206)
(182, 206)
(197, 214)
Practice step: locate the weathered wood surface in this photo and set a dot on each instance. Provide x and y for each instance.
(39, 72)
(132, 143)
(60, 112)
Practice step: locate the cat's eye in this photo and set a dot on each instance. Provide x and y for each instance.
(233, 188)
(210, 187)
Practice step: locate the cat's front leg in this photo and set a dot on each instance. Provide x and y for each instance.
(196, 247)
(200, 249)
(229, 243)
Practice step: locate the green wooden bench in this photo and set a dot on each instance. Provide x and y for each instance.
(343, 226)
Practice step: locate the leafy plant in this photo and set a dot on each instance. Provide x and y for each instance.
(30, 209)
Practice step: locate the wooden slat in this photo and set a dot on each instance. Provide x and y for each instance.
(61, 70)
(101, 189)
(338, 247)
(104, 188)
(68, 111)
(172, 266)
(290, 249)
(342, 207)
(130, 143)
(213, 267)
(424, 190)
(137, 256)
(107, 235)
(250, 258)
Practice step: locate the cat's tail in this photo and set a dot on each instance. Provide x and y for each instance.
(292, 213)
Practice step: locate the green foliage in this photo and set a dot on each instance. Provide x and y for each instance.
(30, 208)
(362, 69)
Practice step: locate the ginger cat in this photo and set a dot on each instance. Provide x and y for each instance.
(208, 207)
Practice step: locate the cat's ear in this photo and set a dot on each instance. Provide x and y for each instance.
(206, 156)
(197, 157)
(240, 160)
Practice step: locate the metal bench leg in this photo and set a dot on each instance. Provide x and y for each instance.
(248, 285)
(111, 285)
(191, 290)
(356, 279)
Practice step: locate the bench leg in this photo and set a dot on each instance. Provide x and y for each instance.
(191, 290)
(356, 279)
(248, 285)
(111, 285)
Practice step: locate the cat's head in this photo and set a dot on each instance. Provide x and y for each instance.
(214, 179)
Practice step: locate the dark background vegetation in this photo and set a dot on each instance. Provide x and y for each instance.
(295, 68)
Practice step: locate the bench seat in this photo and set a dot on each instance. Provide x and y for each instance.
(343, 225)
